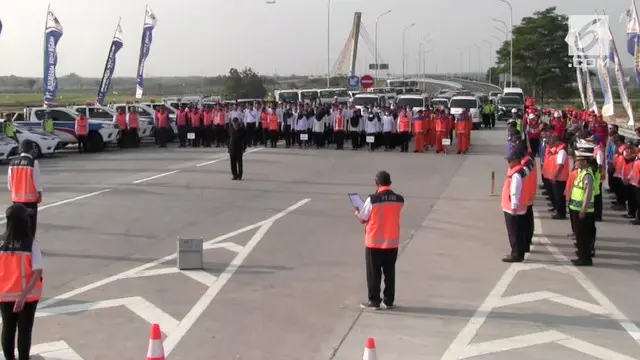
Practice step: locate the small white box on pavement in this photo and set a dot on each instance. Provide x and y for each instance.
(190, 254)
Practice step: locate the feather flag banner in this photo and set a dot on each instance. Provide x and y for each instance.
(147, 37)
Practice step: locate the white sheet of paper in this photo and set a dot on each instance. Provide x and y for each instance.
(304, 137)
(371, 139)
(191, 136)
(446, 142)
(356, 201)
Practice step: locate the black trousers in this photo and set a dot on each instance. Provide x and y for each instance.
(251, 134)
(162, 136)
(235, 158)
(535, 146)
(207, 136)
(379, 262)
(355, 139)
(220, 135)
(286, 133)
(597, 204)
(528, 227)
(274, 136)
(632, 204)
(133, 138)
(82, 143)
(404, 141)
(515, 233)
(33, 216)
(585, 234)
(197, 132)
(22, 322)
(617, 186)
(338, 136)
(182, 135)
(637, 190)
(318, 139)
(559, 201)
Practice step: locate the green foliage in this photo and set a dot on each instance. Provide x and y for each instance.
(540, 55)
(245, 84)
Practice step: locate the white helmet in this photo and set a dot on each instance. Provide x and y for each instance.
(532, 116)
(514, 111)
(557, 114)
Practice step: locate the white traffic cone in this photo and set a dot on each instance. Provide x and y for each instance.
(370, 350)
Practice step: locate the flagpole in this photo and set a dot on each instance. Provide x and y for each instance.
(107, 61)
(144, 20)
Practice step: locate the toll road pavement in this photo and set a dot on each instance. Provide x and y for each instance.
(457, 300)
(284, 258)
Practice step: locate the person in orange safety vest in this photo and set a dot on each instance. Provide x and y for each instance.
(462, 132)
(404, 131)
(273, 125)
(442, 125)
(195, 123)
(430, 130)
(513, 204)
(339, 128)
(207, 126)
(264, 126)
(418, 130)
(381, 214)
(120, 119)
(220, 125)
(82, 131)
(182, 122)
(634, 179)
(20, 283)
(133, 123)
(162, 126)
(23, 180)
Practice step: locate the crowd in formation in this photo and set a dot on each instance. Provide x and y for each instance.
(322, 125)
(578, 152)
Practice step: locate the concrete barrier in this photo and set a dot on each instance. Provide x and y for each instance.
(480, 83)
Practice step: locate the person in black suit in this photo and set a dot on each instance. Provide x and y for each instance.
(237, 146)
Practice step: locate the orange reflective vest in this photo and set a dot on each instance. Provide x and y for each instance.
(23, 186)
(194, 119)
(505, 201)
(383, 227)
(635, 173)
(133, 120)
(15, 273)
(219, 117)
(121, 121)
(627, 169)
(263, 121)
(563, 175)
(162, 119)
(207, 118)
(339, 123)
(404, 125)
(529, 183)
(442, 124)
(418, 125)
(461, 127)
(272, 122)
(82, 126)
(181, 118)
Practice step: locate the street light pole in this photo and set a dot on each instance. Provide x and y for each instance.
(328, 44)
(511, 44)
(404, 32)
(479, 63)
(490, 58)
(375, 41)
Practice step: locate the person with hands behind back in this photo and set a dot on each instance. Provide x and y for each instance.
(20, 282)
(381, 216)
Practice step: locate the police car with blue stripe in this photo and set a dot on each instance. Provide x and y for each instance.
(101, 133)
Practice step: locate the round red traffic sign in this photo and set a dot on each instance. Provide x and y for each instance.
(366, 81)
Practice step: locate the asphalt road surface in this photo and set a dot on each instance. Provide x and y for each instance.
(284, 264)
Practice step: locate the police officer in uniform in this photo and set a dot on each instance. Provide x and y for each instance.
(382, 240)
(23, 180)
(581, 205)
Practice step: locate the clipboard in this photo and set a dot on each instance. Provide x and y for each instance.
(356, 201)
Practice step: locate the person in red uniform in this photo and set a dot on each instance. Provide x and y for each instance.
(121, 122)
(23, 180)
(195, 121)
(273, 125)
(20, 283)
(182, 122)
(207, 126)
(418, 130)
(382, 240)
(82, 132)
(462, 131)
(442, 131)
(162, 126)
(133, 123)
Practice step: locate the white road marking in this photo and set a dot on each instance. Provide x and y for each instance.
(155, 176)
(138, 305)
(174, 337)
(66, 201)
(226, 157)
(197, 275)
(462, 348)
(57, 350)
(231, 246)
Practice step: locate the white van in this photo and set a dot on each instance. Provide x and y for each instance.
(511, 91)
(459, 103)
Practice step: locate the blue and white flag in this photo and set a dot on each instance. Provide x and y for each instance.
(147, 37)
(52, 35)
(110, 66)
(602, 67)
(633, 37)
(0, 26)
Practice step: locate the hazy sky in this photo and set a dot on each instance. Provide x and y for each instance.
(201, 37)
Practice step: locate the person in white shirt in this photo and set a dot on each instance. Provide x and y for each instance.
(559, 184)
(514, 212)
(251, 118)
(371, 128)
(387, 129)
(319, 120)
(302, 127)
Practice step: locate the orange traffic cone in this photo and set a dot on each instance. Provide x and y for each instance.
(156, 350)
(370, 350)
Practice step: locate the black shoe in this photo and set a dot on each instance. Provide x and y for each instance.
(369, 305)
(635, 222)
(234, 178)
(512, 259)
(387, 306)
(628, 216)
(559, 217)
(580, 262)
